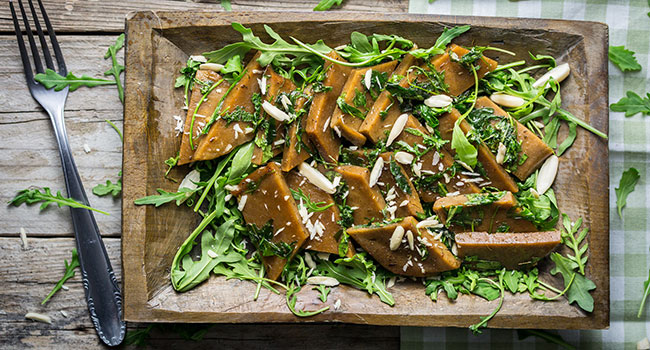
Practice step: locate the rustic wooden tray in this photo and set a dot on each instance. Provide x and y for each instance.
(158, 46)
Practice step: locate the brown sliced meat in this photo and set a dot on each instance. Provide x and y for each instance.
(223, 137)
(512, 250)
(532, 147)
(203, 114)
(276, 84)
(296, 152)
(266, 197)
(432, 163)
(320, 114)
(457, 77)
(326, 241)
(427, 256)
(366, 201)
(395, 196)
(495, 172)
(489, 212)
(348, 125)
(385, 110)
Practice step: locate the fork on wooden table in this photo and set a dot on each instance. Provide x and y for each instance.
(102, 292)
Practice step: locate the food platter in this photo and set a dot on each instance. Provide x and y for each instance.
(158, 44)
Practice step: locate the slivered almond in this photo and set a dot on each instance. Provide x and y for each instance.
(376, 171)
(409, 239)
(367, 79)
(323, 280)
(547, 174)
(404, 157)
(396, 238)
(38, 317)
(438, 101)
(316, 178)
(427, 223)
(397, 128)
(501, 153)
(189, 181)
(506, 100)
(558, 73)
(275, 112)
(309, 261)
(212, 66)
(198, 58)
(262, 84)
(286, 102)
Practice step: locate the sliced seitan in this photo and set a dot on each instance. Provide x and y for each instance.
(532, 147)
(298, 149)
(426, 256)
(385, 110)
(496, 174)
(322, 226)
(400, 195)
(223, 136)
(512, 250)
(275, 85)
(489, 212)
(433, 165)
(205, 78)
(265, 196)
(366, 201)
(356, 94)
(320, 114)
(457, 77)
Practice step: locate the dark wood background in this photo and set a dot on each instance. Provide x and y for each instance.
(29, 156)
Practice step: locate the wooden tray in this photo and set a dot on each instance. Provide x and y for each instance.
(158, 46)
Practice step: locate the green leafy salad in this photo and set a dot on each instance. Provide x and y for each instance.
(373, 164)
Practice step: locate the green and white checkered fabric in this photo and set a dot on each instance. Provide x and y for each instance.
(629, 146)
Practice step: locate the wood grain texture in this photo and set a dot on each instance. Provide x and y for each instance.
(105, 16)
(150, 237)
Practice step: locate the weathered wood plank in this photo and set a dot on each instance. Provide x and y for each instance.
(104, 16)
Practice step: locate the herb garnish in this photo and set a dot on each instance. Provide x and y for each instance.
(69, 273)
(400, 178)
(311, 206)
(348, 109)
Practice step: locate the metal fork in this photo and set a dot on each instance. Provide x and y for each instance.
(103, 294)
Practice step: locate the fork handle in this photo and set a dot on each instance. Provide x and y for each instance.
(102, 292)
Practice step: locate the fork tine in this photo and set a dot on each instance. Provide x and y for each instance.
(55, 44)
(41, 37)
(21, 46)
(32, 43)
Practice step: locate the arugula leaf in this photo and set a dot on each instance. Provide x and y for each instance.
(51, 79)
(291, 303)
(138, 337)
(448, 34)
(466, 151)
(632, 104)
(325, 5)
(171, 163)
(34, 195)
(646, 291)
(186, 79)
(165, 197)
(311, 206)
(115, 128)
(626, 185)
(69, 273)
(323, 290)
(579, 290)
(117, 68)
(226, 5)
(549, 337)
(366, 49)
(624, 59)
(113, 188)
(569, 231)
(475, 328)
(241, 161)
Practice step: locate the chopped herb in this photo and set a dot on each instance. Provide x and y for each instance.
(475, 199)
(400, 178)
(311, 206)
(359, 99)
(348, 109)
(261, 238)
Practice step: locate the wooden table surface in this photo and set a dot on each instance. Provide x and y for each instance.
(29, 157)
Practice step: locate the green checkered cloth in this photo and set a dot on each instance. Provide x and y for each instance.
(629, 146)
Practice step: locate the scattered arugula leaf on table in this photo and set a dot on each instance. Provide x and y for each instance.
(69, 273)
(646, 291)
(325, 5)
(632, 104)
(51, 79)
(624, 59)
(626, 185)
(114, 189)
(35, 195)
(549, 337)
(117, 68)
(569, 231)
(138, 337)
(115, 128)
(226, 5)
(323, 290)
(579, 290)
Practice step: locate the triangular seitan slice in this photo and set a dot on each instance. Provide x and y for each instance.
(264, 196)
(511, 250)
(320, 114)
(275, 86)
(482, 212)
(355, 94)
(416, 252)
(322, 225)
(533, 148)
(457, 77)
(224, 136)
(497, 175)
(205, 80)
(366, 201)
